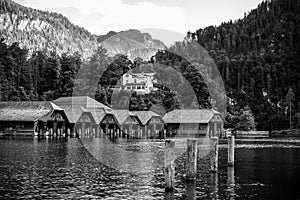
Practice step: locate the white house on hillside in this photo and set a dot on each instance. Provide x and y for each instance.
(140, 82)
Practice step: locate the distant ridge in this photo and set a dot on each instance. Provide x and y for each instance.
(43, 30)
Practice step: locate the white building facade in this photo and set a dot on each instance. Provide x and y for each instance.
(140, 82)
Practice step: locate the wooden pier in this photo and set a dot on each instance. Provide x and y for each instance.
(191, 165)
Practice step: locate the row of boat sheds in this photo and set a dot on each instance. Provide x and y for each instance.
(82, 116)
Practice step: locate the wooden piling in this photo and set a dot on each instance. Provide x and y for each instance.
(55, 129)
(213, 186)
(68, 132)
(231, 145)
(230, 176)
(169, 167)
(169, 195)
(214, 157)
(191, 190)
(98, 131)
(191, 160)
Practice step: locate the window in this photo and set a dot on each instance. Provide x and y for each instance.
(134, 80)
(126, 81)
(128, 87)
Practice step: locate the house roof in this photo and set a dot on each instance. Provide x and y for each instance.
(84, 101)
(123, 115)
(27, 110)
(138, 72)
(145, 116)
(141, 83)
(199, 116)
(73, 112)
(98, 113)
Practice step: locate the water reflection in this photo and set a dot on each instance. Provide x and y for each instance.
(230, 183)
(64, 169)
(213, 186)
(191, 190)
(169, 195)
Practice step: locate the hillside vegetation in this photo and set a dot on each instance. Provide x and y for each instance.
(259, 58)
(42, 30)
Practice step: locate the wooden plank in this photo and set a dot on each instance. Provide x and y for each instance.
(214, 157)
(191, 160)
(169, 167)
(231, 145)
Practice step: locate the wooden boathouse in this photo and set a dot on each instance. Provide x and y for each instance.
(81, 121)
(152, 124)
(194, 123)
(130, 124)
(32, 117)
(107, 124)
(102, 120)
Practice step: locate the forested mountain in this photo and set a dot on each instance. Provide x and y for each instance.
(259, 59)
(41, 76)
(41, 30)
(41, 53)
(132, 43)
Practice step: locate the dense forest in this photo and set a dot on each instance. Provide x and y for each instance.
(102, 73)
(42, 76)
(47, 75)
(259, 58)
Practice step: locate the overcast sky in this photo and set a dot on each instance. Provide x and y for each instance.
(99, 16)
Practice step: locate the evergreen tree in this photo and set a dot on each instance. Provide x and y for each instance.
(246, 121)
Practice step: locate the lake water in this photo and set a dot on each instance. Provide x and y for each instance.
(65, 169)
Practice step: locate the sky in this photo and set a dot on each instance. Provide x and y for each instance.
(102, 16)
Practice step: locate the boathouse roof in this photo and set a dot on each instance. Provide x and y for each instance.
(123, 115)
(145, 116)
(84, 101)
(99, 113)
(198, 116)
(74, 112)
(27, 110)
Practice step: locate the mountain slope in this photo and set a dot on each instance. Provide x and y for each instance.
(259, 58)
(42, 30)
(37, 29)
(133, 43)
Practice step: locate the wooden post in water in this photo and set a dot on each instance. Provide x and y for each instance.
(169, 167)
(191, 190)
(83, 129)
(55, 129)
(214, 157)
(130, 131)
(98, 130)
(107, 131)
(230, 182)
(40, 133)
(139, 133)
(101, 135)
(191, 160)
(231, 151)
(68, 132)
(213, 186)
